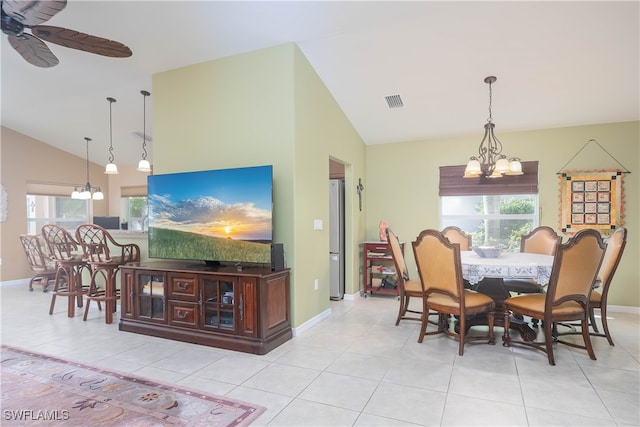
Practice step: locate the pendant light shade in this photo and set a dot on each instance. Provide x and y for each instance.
(143, 164)
(111, 167)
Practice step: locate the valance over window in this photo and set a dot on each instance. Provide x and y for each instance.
(453, 184)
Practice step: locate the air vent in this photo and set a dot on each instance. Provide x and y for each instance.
(394, 101)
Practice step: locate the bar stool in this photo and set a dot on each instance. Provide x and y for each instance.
(70, 264)
(96, 243)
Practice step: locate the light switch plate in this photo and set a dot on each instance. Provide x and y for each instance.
(317, 224)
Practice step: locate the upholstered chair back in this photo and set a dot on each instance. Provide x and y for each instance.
(456, 235)
(615, 246)
(439, 264)
(575, 266)
(398, 256)
(542, 240)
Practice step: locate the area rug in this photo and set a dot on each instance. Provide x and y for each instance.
(42, 390)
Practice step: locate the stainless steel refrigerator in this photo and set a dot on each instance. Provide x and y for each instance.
(336, 239)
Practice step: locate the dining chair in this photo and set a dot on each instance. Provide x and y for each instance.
(599, 294)
(575, 266)
(456, 235)
(44, 268)
(105, 256)
(407, 288)
(541, 240)
(440, 271)
(70, 264)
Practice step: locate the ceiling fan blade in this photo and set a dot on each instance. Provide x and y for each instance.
(81, 41)
(33, 50)
(31, 13)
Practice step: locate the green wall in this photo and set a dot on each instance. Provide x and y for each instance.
(266, 107)
(402, 182)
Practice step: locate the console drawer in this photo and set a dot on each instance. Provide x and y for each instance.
(183, 287)
(183, 314)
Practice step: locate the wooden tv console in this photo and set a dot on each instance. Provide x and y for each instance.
(221, 306)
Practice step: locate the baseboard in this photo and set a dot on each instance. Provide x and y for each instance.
(15, 282)
(622, 309)
(311, 322)
(351, 297)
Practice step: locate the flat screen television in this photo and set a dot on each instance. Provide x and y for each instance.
(215, 216)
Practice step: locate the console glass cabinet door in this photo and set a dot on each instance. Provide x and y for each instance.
(150, 296)
(220, 299)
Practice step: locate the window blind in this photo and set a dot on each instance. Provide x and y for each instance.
(453, 184)
(133, 191)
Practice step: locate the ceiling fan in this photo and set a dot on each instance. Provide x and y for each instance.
(17, 15)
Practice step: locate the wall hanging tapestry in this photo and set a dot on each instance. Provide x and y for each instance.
(45, 390)
(591, 200)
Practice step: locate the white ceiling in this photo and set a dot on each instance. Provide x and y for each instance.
(558, 64)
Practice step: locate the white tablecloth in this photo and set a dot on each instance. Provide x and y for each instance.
(508, 265)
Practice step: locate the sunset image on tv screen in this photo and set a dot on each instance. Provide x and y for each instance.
(204, 215)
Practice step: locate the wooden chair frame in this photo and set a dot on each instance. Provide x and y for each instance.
(598, 299)
(437, 270)
(105, 256)
(574, 271)
(43, 267)
(70, 264)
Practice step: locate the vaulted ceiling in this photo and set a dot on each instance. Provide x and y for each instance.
(557, 63)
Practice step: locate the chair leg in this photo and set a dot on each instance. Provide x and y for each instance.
(587, 338)
(491, 318)
(86, 309)
(548, 341)
(592, 320)
(506, 338)
(425, 320)
(53, 303)
(605, 324)
(404, 303)
(463, 328)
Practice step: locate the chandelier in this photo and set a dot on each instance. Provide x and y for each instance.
(87, 192)
(491, 163)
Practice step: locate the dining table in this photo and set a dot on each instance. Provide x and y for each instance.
(487, 275)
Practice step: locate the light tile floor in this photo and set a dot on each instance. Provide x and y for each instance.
(356, 368)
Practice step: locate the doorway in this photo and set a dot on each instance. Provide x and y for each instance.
(336, 230)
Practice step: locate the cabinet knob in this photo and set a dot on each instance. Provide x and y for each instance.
(183, 286)
(182, 314)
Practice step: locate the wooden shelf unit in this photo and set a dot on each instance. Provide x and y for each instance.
(377, 263)
(243, 310)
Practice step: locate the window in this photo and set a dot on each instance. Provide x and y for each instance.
(133, 208)
(64, 211)
(135, 213)
(494, 212)
(495, 220)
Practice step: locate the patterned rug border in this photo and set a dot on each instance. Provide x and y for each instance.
(253, 411)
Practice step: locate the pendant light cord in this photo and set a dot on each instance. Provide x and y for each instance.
(144, 123)
(111, 101)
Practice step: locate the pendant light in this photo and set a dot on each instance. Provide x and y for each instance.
(491, 163)
(143, 164)
(111, 167)
(87, 192)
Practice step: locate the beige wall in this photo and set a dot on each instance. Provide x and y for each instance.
(402, 183)
(26, 160)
